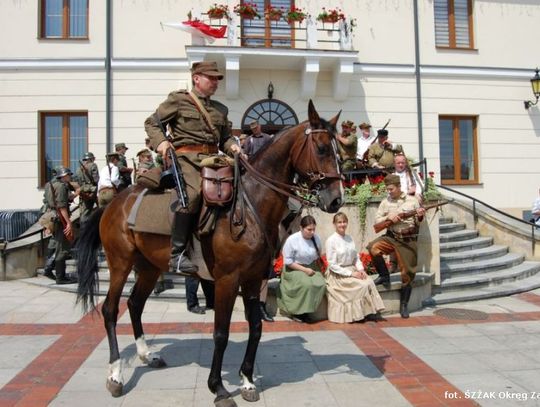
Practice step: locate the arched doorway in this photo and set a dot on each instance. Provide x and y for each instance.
(272, 114)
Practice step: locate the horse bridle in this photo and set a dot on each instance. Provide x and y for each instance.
(314, 176)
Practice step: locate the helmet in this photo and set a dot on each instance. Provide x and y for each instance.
(88, 156)
(61, 171)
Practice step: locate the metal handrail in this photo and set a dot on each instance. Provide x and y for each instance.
(507, 215)
(350, 174)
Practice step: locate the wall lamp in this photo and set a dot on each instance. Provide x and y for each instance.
(535, 83)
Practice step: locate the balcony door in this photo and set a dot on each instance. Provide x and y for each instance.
(265, 33)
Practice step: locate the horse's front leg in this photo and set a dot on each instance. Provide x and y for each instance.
(146, 281)
(253, 311)
(109, 310)
(226, 291)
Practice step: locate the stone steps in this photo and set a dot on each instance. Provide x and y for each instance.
(465, 245)
(473, 268)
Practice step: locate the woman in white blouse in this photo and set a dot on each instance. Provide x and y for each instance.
(351, 294)
(302, 285)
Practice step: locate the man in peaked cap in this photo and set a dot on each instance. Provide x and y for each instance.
(193, 140)
(124, 170)
(87, 176)
(400, 238)
(347, 143)
(257, 139)
(146, 162)
(381, 153)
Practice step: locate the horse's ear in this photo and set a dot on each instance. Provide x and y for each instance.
(334, 120)
(314, 119)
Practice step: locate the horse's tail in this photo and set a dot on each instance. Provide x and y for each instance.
(87, 261)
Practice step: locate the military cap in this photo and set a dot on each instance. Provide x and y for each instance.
(347, 123)
(242, 136)
(365, 125)
(61, 171)
(382, 132)
(253, 125)
(392, 179)
(88, 156)
(206, 68)
(118, 146)
(113, 155)
(144, 151)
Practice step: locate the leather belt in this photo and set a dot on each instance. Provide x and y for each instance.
(197, 148)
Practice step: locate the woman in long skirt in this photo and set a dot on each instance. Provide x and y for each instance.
(302, 286)
(352, 295)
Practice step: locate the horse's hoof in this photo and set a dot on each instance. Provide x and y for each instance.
(228, 402)
(114, 388)
(250, 394)
(157, 363)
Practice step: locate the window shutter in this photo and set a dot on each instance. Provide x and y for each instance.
(442, 37)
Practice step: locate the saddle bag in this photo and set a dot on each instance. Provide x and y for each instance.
(48, 221)
(217, 185)
(150, 179)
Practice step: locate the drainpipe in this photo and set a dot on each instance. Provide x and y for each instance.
(108, 79)
(418, 82)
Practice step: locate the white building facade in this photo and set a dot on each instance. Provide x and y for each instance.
(452, 75)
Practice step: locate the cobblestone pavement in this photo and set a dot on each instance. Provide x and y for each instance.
(54, 355)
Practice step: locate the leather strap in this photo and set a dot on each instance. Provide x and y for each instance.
(197, 148)
(205, 115)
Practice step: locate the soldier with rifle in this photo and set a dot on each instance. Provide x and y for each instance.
(87, 177)
(401, 236)
(58, 197)
(198, 127)
(381, 153)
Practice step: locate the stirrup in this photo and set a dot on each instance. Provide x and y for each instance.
(182, 265)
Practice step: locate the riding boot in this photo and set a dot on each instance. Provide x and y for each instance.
(49, 265)
(264, 313)
(405, 295)
(180, 235)
(60, 268)
(384, 275)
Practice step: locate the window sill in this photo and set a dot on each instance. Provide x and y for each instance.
(461, 184)
(63, 38)
(438, 47)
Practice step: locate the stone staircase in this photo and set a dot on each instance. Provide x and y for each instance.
(175, 283)
(473, 268)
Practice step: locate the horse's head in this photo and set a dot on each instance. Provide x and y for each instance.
(314, 158)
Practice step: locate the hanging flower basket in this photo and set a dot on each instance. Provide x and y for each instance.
(330, 16)
(247, 11)
(218, 11)
(295, 15)
(273, 13)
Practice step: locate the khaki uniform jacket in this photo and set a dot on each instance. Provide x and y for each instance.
(383, 156)
(88, 184)
(187, 124)
(188, 127)
(124, 176)
(60, 198)
(348, 152)
(389, 207)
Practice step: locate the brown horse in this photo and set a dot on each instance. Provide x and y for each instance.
(234, 259)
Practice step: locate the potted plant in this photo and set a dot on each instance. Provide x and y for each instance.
(273, 13)
(332, 15)
(295, 14)
(218, 11)
(246, 10)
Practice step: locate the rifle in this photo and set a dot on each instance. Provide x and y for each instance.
(134, 170)
(407, 214)
(176, 173)
(365, 156)
(85, 171)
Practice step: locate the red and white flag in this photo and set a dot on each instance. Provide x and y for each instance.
(199, 29)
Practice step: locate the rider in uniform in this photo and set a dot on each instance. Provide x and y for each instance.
(193, 139)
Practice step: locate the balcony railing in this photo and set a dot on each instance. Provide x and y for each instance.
(310, 34)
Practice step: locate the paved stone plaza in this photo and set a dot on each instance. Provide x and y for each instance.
(54, 355)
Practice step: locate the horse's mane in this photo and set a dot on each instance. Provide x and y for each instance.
(324, 124)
